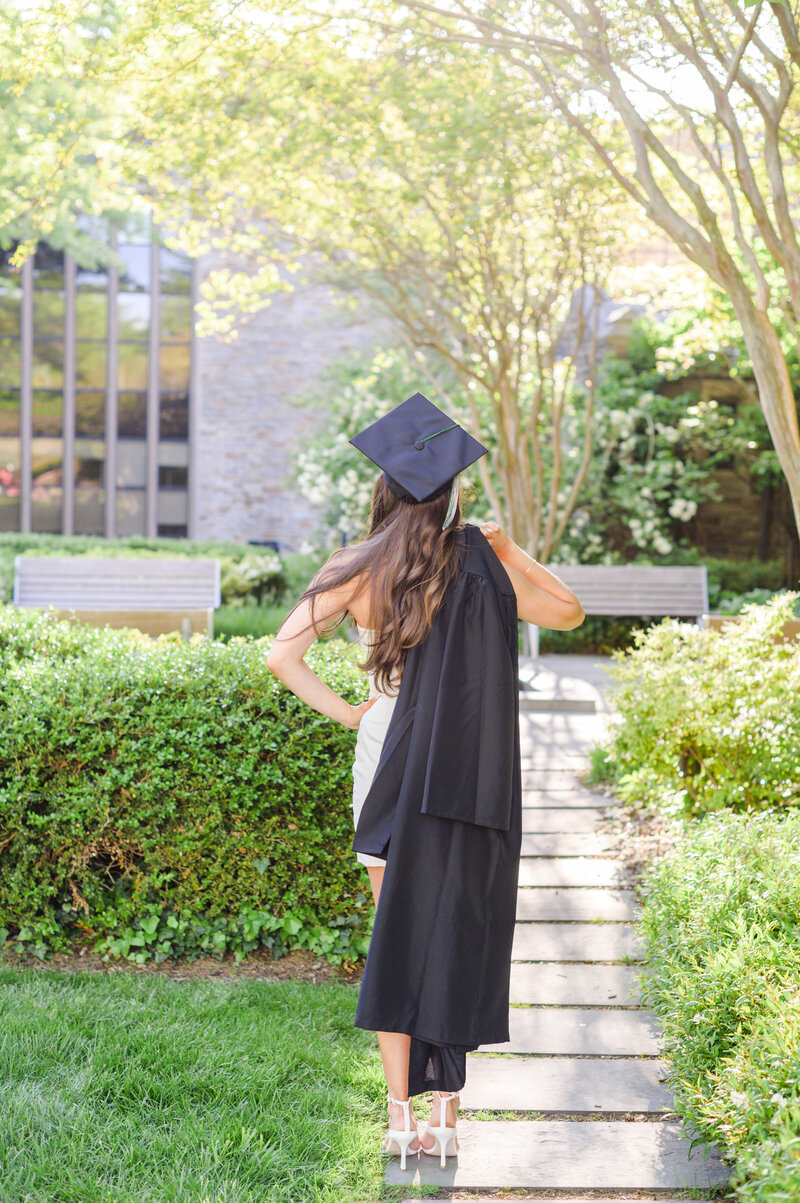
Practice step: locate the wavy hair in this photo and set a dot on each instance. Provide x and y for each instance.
(407, 562)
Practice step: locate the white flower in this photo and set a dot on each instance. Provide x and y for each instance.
(662, 545)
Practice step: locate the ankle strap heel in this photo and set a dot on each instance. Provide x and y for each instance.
(444, 1136)
(397, 1141)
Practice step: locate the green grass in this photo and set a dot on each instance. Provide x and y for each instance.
(120, 1087)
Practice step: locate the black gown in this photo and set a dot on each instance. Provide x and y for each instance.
(444, 809)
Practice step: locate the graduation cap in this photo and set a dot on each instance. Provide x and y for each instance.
(419, 447)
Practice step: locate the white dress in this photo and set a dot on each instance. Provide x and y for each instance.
(369, 742)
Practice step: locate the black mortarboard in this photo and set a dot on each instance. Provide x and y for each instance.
(419, 447)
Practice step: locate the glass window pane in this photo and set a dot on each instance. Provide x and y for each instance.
(9, 484)
(174, 420)
(10, 294)
(173, 478)
(176, 319)
(131, 517)
(173, 455)
(175, 270)
(46, 491)
(91, 279)
(48, 267)
(172, 507)
(48, 361)
(47, 413)
(132, 415)
(9, 413)
(132, 464)
(90, 365)
(89, 515)
(134, 316)
(91, 315)
(9, 363)
(48, 314)
(167, 531)
(174, 367)
(132, 370)
(134, 274)
(90, 414)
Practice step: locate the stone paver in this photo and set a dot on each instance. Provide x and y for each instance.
(579, 1031)
(551, 818)
(584, 1085)
(566, 1155)
(576, 942)
(576, 871)
(561, 779)
(576, 985)
(577, 796)
(569, 843)
(580, 902)
(516, 1198)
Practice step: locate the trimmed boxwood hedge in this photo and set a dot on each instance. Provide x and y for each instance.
(161, 798)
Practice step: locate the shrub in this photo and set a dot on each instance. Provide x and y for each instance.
(166, 798)
(709, 719)
(721, 912)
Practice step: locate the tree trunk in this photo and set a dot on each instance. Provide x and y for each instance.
(775, 394)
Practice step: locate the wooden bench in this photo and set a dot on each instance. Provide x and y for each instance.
(154, 595)
(632, 590)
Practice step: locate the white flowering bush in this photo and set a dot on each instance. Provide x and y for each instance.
(653, 463)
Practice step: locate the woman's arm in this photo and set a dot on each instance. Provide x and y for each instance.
(285, 657)
(541, 597)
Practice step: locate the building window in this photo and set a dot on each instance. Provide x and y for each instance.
(95, 404)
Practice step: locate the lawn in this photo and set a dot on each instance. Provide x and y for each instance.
(126, 1087)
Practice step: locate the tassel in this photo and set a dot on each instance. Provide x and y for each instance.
(451, 508)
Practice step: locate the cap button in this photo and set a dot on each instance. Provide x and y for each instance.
(419, 445)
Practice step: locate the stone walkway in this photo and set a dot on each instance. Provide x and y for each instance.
(582, 1072)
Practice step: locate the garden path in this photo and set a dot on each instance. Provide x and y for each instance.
(575, 1101)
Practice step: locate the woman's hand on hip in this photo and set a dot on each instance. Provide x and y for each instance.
(356, 713)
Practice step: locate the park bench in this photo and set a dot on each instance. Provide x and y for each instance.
(632, 590)
(156, 596)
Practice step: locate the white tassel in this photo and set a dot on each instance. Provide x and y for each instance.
(451, 508)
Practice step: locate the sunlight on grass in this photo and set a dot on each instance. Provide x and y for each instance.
(117, 1087)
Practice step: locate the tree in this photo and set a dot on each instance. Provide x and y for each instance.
(705, 91)
(435, 185)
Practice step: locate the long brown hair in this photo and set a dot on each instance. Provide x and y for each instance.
(407, 561)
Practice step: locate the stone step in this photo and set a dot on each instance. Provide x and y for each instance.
(551, 818)
(580, 1031)
(582, 903)
(576, 942)
(567, 1155)
(570, 843)
(550, 703)
(517, 1198)
(581, 1085)
(577, 871)
(575, 796)
(576, 985)
(555, 778)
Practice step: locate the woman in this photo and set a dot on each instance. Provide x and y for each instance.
(437, 788)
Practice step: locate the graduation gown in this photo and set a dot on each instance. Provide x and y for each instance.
(444, 809)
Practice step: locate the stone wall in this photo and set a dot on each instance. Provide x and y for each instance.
(249, 423)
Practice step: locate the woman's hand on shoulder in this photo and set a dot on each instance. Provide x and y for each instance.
(356, 713)
(496, 537)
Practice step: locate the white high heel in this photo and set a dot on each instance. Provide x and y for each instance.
(397, 1141)
(443, 1135)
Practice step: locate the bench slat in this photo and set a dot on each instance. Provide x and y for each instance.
(84, 582)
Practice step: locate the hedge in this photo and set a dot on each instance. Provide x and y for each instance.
(721, 916)
(708, 719)
(161, 798)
